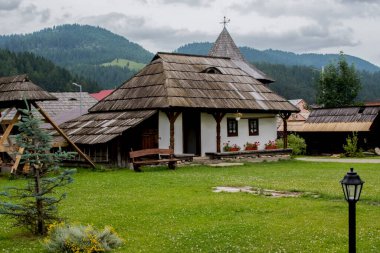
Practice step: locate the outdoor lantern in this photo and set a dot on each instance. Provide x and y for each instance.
(352, 186)
(238, 116)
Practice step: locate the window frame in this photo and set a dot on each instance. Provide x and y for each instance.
(230, 132)
(251, 131)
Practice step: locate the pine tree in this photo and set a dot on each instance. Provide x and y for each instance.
(338, 85)
(35, 206)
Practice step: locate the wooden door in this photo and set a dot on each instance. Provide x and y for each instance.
(149, 138)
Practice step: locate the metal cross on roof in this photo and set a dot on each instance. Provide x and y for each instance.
(225, 21)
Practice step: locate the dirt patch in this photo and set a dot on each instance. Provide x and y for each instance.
(225, 164)
(259, 191)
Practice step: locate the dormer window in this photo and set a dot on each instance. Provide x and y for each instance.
(212, 70)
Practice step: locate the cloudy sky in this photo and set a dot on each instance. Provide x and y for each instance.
(300, 26)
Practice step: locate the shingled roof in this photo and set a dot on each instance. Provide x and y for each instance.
(15, 89)
(102, 127)
(189, 81)
(225, 46)
(346, 119)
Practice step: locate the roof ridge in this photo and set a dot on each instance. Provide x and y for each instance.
(193, 55)
(225, 46)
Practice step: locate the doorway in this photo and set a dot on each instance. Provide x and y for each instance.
(191, 124)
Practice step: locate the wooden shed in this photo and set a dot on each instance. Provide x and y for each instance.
(326, 130)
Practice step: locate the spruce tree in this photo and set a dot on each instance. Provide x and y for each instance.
(35, 205)
(338, 85)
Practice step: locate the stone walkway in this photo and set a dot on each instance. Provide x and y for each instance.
(338, 160)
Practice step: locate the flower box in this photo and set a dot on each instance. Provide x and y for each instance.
(271, 145)
(250, 148)
(227, 147)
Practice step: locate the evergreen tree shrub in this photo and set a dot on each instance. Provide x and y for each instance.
(35, 205)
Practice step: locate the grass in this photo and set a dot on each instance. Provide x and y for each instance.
(176, 211)
(136, 66)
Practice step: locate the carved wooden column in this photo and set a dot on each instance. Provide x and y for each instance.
(218, 116)
(172, 116)
(285, 116)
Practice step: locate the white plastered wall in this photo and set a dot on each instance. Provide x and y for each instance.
(164, 133)
(267, 131)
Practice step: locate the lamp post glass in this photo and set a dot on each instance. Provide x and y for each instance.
(352, 186)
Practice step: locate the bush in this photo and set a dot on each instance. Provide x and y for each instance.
(295, 142)
(70, 238)
(351, 148)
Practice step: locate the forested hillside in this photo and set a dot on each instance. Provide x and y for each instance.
(41, 71)
(295, 82)
(82, 49)
(280, 57)
(69, 45)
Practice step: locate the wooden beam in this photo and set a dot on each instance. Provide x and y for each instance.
(17, 161)
(218, 116)
(285, 116)
(59, 130)
(9, 128)
(172, 116)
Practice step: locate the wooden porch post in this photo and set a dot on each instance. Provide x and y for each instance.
(172, 116)
(218, 116)
(285, 116)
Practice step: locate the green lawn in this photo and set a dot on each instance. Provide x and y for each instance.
(176, 211)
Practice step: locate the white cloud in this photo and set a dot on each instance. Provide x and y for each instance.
(194, 3)
(8, 5)
(163, 25)
(137, 29)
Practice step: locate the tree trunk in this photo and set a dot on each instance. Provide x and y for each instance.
(40, 229)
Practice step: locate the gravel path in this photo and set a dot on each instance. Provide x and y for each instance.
(338, 160)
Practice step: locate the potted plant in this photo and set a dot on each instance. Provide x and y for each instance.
(252, 145)
(227, 147)
(234, 147)
(271, 145)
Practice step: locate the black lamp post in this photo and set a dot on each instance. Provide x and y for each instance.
(352, 186)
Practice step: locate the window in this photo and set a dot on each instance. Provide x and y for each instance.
(253, 126)
(212, 70)
(232, 127)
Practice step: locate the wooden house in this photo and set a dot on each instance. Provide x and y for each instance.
(186, 102)
(326, 130)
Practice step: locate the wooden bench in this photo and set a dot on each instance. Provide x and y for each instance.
(153, 156)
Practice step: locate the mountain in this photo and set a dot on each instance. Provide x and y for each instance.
(41, 71)
(68, 45)
(82, 49)
(280, 57)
